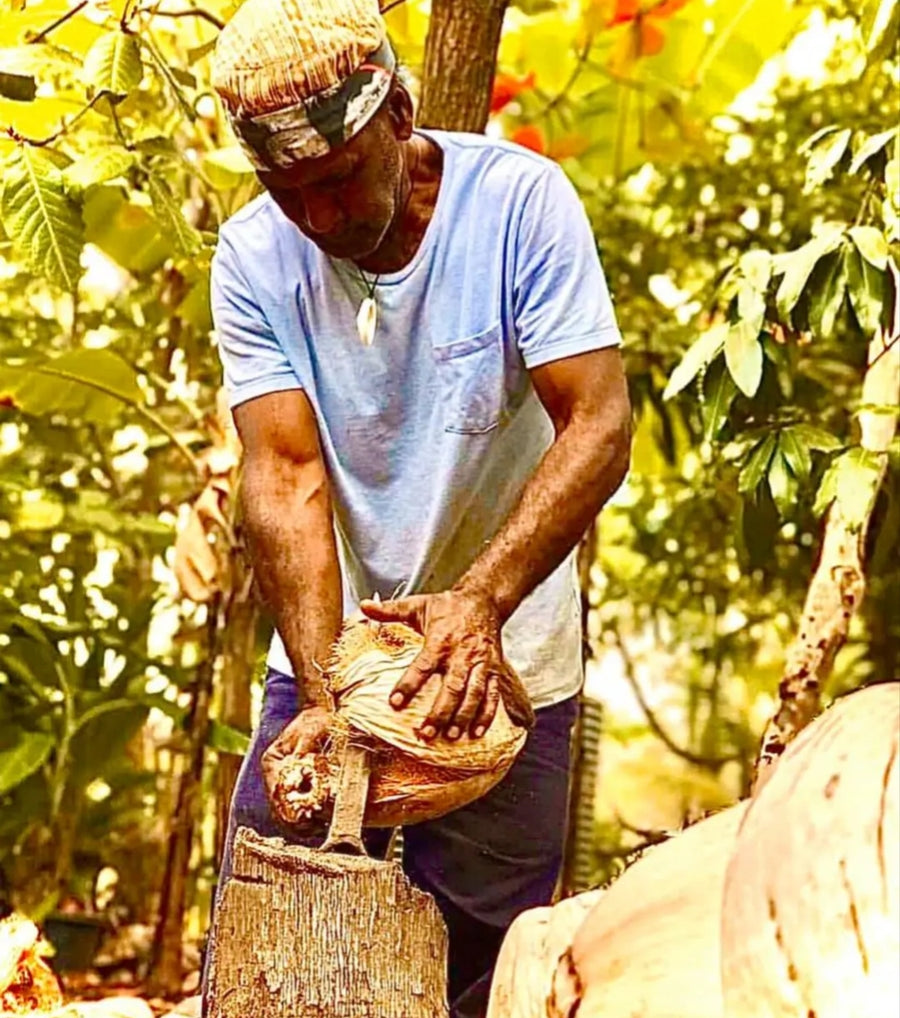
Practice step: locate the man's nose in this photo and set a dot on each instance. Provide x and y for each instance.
(322, 214)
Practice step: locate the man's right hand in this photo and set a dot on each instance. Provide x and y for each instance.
(305, 734)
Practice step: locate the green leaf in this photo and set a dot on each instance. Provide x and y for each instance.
(852, 480)
(226, 739)
(696, 358)
(814, 140)
(756, 466)
(744, 356)
(798, 266)
(124, 230)
(796, 452)
(751, 307)
(98, 166)
(719, 391)
(782, 484)
(816, 438)
(880, 26)
(827, 298)
(187, 240)
(21, 88)
(227, 167)
(41, 219)
(113, 66)
(86, 384)
(824, 157)
(23, 758)
(871, 245)
(870, 147)
(756, 267)
(866, 289)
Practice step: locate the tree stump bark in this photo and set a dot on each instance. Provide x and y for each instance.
(302, 933)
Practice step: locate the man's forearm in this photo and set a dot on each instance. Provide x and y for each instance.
(579, 472)
(288, 518)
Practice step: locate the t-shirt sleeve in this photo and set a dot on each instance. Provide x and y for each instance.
(253, 361)
(561, 301)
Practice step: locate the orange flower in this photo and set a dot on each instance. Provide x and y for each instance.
(529, 136)
(507, 87)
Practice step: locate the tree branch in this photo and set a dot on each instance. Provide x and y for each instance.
(712, 763)
(190, 12)
(44, 32)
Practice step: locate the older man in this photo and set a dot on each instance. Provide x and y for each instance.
(421, 356)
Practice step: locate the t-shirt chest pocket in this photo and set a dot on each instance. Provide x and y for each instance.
(471, 381)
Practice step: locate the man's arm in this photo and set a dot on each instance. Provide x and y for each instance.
(288, 518)
(587, 399)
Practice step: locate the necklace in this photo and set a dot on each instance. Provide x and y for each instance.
(367, 316)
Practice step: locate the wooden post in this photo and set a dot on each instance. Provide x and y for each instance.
(313, 935)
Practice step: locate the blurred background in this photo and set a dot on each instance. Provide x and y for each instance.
(740, 163)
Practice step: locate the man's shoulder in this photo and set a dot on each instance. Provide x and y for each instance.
(253, 223)
(494, 160)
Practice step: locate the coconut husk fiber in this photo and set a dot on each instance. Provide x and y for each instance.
(412, 780)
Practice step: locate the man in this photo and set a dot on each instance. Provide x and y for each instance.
(422, 360)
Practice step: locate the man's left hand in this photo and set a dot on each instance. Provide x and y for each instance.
(463, 647)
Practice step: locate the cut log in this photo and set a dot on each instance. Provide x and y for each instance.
(312, 935)
(650, 946)
(811, 915)
(531, 950)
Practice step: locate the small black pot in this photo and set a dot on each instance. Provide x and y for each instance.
(75, 939)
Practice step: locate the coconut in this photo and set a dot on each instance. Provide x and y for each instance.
(411, 779)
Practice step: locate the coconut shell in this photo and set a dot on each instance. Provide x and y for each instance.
(412, 780)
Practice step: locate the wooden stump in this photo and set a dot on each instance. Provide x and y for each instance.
(302, 933)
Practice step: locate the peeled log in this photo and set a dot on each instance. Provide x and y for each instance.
(650, 947)
(307, 934)
(531, 950)
(811, 916)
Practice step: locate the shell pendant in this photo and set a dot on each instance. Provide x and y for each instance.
(366, 321)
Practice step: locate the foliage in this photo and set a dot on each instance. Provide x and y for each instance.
(748, 277)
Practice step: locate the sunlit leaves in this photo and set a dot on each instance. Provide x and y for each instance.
(870, 148)
(827, 297)
(113, 66)
(871, 245)
(99, 166)
(41, 218)
(852, 480)
(798, 265)
(826, 149)
(86, 384)
(719, 392)
(696, 358)
(744, 355)
(227, 167)
(187, 240)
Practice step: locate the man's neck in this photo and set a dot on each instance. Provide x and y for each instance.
(422, 180)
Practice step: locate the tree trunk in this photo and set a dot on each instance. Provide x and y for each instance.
(839, 582)
(312, 935)
(167, 975)
(460, 61)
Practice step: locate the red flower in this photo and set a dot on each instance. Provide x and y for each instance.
(507, 87)
(529, 136)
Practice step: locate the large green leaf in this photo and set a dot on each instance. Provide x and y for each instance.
(871, 147)
(824, 157)
(871, 245)
(782, 483)
(87, 384)
(697, 356)
(113, 66)
(22, 758)
(124, 230)
(796, 452)
(719, 391)
(866, 288)
(98, 166)
(798, 265)
(41, 219)
(19, 87)
(756, 466)
(744, 356)
(187, 240)
(827, 296)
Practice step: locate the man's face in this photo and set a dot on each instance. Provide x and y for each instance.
(346, 200)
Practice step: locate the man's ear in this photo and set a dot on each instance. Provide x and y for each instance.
(400, 110)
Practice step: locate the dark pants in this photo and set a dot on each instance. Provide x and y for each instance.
(483, 864)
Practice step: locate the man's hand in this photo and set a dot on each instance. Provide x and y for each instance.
(305, 734)
(462, 646)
